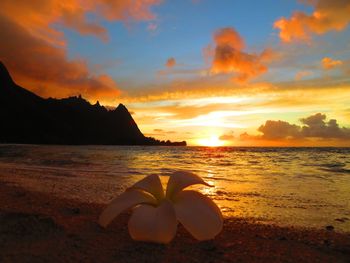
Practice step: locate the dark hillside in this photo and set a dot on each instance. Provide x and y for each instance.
(28, 118)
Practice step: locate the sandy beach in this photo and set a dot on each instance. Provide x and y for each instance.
(36, 227)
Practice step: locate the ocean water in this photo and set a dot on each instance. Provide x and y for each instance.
(307, 187)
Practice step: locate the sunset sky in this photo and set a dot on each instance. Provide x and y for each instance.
(209, 72)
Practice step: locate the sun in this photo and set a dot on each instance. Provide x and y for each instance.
(212, 141)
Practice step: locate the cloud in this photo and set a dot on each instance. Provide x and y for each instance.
(279, 130)
(40, 16)
(45, 69)
(160, 133)
(328, 15)
(329, 63)
(246, 137)
(314, 126)
(139, 10)
(229, 57)
(317, 126)
(227, 137)
(208, 113)
(170, 63)
(35, 47)
(302, 74)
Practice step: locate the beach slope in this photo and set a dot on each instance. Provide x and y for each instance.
(36, 227)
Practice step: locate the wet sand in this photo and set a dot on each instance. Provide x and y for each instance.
(37, 227)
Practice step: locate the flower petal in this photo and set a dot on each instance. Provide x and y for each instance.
(154, 224)
(180, 180)
(126, 200)
(198, 214)
(151, 184)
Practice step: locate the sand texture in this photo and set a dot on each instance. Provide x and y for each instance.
(36, 227)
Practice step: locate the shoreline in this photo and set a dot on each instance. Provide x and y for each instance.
(184, 146)
(37, 227)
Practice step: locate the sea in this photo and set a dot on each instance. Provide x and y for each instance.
(302, 187)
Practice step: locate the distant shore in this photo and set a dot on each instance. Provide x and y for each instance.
(36, 227)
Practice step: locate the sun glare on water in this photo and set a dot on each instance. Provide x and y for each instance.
(213, 141)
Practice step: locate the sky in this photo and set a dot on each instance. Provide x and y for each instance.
(240, 73)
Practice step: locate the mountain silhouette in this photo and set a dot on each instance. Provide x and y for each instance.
(30, 119)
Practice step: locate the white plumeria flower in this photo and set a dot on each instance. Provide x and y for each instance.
(156, 214)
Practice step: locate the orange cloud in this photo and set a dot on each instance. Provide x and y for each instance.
(34, 49)
(39, 16)
(171, 62)
(227, 137)
(44, 68)
(328, 15)
(302, 74)
(126, 10)
(229, 56)
(329, 63)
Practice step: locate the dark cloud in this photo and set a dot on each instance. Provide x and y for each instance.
(314, 126)
(317, 126)
(279, 130)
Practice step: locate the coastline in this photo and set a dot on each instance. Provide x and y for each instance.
(38, 227)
